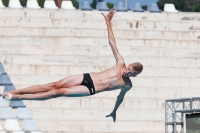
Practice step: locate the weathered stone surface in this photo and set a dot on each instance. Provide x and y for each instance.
(102, 126)
(41, 46)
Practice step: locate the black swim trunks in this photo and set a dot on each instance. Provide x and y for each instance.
(87, 81)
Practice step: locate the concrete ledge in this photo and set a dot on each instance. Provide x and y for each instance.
(94, 33)
(95, 114)
(105, 50)
(100, 42)
(98, 24)
(101, 126)
(69, 14)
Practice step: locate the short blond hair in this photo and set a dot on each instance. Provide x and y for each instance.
(137, 67)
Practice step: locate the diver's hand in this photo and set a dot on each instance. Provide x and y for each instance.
(110, 15)
(113, 115)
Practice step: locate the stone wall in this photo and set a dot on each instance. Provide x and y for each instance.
(41, 46)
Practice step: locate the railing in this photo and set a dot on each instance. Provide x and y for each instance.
(175, 110)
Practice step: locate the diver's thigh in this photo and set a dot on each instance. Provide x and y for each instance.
(70, 81)
(76, 91)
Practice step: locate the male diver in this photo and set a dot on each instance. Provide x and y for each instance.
(86, 84)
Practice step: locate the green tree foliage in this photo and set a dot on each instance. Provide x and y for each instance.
(5, 2)
(41, 3)
(23, 2)
(197, 7)
(75, 3)
(144, 7)
(94, 3)
(110, 5)
(182, 5)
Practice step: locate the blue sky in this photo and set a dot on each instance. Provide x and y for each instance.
(142, 2)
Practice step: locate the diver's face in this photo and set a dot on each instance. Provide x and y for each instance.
(130, 72)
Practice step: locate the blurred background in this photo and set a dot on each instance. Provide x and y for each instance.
(181, 5)
(39, 46)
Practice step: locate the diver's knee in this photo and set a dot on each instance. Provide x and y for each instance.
(53, 85)
(56, 92)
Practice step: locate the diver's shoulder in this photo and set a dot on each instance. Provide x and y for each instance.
(129, 83)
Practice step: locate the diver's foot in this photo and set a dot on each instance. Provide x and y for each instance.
(7, 96)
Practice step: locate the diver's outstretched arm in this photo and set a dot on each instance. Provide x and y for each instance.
(111, 37)
(119, 100)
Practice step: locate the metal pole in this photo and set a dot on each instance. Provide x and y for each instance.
(126, 4)
(174, 117)
(166, 117)
(182, 119)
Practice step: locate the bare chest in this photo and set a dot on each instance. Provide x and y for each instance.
(111, 83)
(110, 79)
